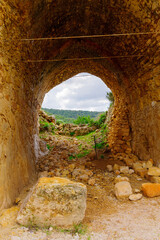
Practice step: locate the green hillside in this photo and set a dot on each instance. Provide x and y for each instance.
(70, 115)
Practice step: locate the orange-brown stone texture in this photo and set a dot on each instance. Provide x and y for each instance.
(134, 80)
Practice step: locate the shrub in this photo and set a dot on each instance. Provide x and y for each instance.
(72, 133)
(44, 126)
(84, 120)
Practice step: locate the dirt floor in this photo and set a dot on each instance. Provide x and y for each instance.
(106, 217)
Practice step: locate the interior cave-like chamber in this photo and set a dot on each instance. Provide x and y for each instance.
(32, 63)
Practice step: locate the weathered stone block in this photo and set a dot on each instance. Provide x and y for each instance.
(54, 201)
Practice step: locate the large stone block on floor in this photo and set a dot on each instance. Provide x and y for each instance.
(54, 202)
(151, 189)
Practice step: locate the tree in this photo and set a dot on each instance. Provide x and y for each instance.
(110, 97)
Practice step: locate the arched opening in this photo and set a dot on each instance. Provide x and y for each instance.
(80, 108)
(119, 140)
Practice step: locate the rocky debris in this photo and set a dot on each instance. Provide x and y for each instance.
(139, 169)
(92, 181)
(43, 146)
(129, 162)
(123, 190)
(137, 190)
(154, 179)
(154, 171)
(121, 179)
(48, 118)
(84, 177)
(69, 129)
(124, 169)
(109, 168)
(43, 174)
(116, 167)
(139, 179)
(135, 197)
(148, 164)
(82, 174)
(142, 172)
(151, 189)
(54, 202)
(117, 172)
(131, 171)
(92, 155)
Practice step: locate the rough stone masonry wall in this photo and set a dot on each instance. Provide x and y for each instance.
(134, 81)
(16, 156)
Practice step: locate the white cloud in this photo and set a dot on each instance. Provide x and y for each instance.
(81, 92)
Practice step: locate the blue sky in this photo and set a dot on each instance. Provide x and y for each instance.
(81, 92)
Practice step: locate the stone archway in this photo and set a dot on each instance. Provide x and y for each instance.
(133, 74)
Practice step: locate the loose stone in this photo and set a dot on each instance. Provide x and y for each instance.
(121, 179)
(109, 168)
(151, 189)
(124, 169)
(123, 190)
(131, 171)
(135, 197)
(92, 181)
(154, 171)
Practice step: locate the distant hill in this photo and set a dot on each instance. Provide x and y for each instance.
(70, 115)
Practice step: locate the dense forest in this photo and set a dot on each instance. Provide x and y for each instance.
(70, 115)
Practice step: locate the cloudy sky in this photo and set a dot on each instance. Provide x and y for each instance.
(81, 92)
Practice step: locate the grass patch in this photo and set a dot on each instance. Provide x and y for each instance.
(71, 157)
(49, 147)
(83, 154)
(79, 229)
(100, 145)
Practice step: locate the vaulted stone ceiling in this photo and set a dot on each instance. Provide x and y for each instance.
(131, 69)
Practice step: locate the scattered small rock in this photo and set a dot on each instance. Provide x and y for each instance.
(154, 179)
(121, 179)
(83, 177)
(147, 164)
(129, 162)
(43, 174)
(154, 171)
(124, 169)
(116, 167)
(123, 190)
(131, 171)
(109, 168)
(117, 172)
(92, 181)
(139, 179)
(135, 197)
(137, 190)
